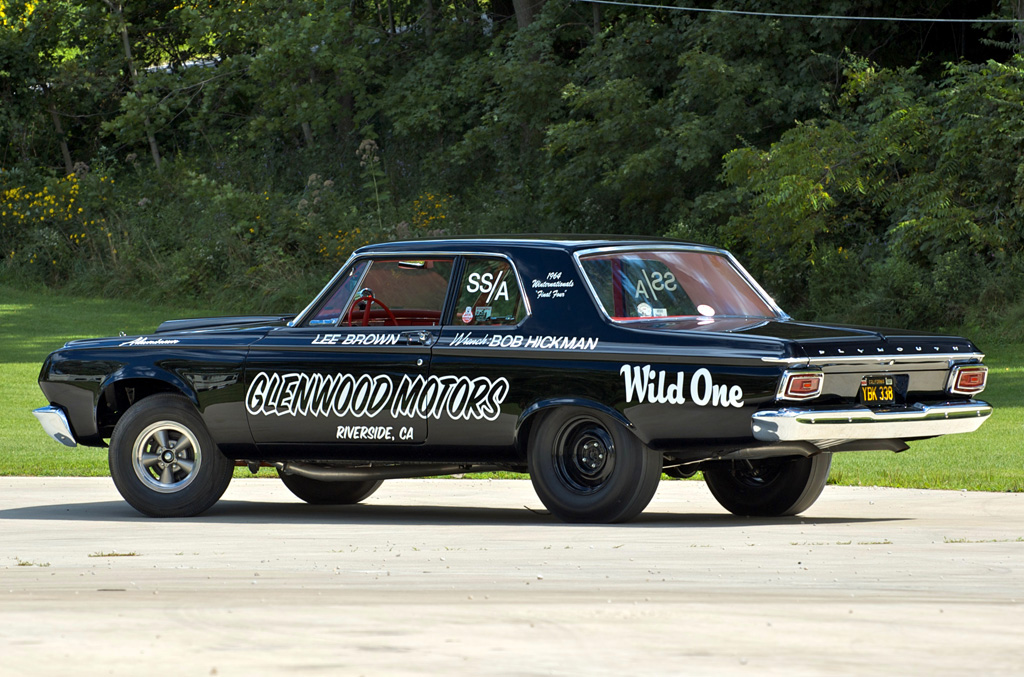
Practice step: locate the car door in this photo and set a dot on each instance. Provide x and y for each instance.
(479, 350)
(347, 380)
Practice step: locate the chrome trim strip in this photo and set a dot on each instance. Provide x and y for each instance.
(861, 423)
(876, 359)
(301, 317)
(752, 281)
(55, 424)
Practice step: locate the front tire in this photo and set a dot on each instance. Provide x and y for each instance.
(770, 487)
(586, 467)
(318, 492)
(163, 460)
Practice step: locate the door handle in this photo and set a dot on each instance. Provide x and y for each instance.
(419, 338)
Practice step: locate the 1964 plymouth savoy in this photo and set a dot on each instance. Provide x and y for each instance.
(593, 365)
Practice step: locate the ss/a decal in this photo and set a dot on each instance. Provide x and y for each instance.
(495, 286)
(649, 285)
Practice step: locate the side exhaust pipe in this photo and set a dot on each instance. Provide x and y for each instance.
(324, 473)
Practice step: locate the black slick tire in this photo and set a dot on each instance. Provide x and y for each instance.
(773, 487)
(587, 467)
(163, 460)
(318, 492)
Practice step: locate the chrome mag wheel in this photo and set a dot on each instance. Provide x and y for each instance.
(166, 456)
(164, 461)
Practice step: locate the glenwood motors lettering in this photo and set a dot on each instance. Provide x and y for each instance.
(365, 396)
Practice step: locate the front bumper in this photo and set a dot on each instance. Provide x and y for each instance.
(862, 423)
(55, 423)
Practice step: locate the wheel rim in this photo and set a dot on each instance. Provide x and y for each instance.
(756, 475)
(166, 457)
(584, 456)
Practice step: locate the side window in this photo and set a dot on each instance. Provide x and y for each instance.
(489, 294)
(338, 303)
(413, 290)
(389, 292)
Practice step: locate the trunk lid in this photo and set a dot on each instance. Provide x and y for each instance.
(816, 341)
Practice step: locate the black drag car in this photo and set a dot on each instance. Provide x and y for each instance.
(593, 365)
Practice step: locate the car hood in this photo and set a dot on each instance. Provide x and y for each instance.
(223, 323)
(220, 331)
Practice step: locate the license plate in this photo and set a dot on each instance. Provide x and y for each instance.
(878, 390)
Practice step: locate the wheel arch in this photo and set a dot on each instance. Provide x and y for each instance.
(163, 460)
(534, 413)
(126, 387)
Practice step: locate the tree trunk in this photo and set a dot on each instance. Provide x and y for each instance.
(307, 130)
(428, 20)
(347, 125)
(527, 9)
(69, 167)
(1018, 28)
(391, 19)
(118, 9)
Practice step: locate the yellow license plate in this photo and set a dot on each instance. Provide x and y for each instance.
(878, 390)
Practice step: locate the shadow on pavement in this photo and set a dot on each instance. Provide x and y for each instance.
(251, 512)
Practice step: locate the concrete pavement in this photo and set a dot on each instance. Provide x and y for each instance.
(451, 577)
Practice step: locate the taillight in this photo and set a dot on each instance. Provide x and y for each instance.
(800, 385)
(967, 380)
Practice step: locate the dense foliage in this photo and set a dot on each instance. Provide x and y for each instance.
(236, 151)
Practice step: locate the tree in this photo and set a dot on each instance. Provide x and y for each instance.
(907, 194)
(117, 10)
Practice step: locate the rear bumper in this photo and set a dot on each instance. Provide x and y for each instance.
(55, 423)
(861, 423)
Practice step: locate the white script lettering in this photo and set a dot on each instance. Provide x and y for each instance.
(366, 433)
(146, 341)
(455, 397)
(371, 340)
(644, 384)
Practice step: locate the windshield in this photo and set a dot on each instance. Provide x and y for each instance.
(634, 285)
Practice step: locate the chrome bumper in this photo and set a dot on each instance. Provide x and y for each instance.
(55, 423)
(861, 423)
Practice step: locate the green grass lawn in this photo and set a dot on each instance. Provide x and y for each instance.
(991, 459)
(31, 325)
(34, 323)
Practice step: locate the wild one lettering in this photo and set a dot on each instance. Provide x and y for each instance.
(644, 384)
(365, 396)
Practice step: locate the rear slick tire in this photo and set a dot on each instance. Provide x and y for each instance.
(774, 487)
(586, 467)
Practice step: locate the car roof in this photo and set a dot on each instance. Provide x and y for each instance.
(569, 243)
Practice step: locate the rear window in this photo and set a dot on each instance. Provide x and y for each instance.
(634, 285)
